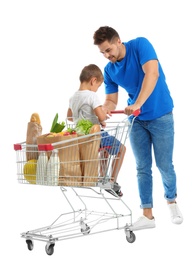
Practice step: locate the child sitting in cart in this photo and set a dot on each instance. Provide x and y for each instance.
(85, 104)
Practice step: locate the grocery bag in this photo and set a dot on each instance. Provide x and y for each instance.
(89, 156)
(68, 150)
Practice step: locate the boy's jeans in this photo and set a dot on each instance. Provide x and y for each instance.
(158, 135)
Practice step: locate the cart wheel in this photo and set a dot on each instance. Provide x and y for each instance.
(49, 249)
(131, 238)
(30, 244)
(86, 230)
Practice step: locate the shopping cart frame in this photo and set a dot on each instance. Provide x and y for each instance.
(82, 222)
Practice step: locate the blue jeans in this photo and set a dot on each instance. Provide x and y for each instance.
(159, 135)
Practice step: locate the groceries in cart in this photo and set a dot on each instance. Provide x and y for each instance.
(72, 157)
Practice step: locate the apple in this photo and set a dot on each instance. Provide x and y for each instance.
(66, 133)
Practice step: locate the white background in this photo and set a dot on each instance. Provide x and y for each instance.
(43, 47)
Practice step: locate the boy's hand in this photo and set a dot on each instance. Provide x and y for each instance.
(103, 124)
(107, 112)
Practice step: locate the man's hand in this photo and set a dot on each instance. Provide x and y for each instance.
(110, 103)
(129, 110)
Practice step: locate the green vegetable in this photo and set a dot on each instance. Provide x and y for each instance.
(71, 130)
(57, 127)
(83, 126)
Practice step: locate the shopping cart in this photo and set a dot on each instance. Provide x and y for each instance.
(83, 173)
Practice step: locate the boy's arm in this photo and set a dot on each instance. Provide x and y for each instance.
(69, 114)
(101, 115)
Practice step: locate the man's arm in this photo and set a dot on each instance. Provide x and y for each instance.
(110, 103)
(150, 69)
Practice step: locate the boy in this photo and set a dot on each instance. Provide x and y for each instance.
(85, 104)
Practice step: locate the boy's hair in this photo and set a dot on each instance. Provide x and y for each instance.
(89, 72)
(104, 33)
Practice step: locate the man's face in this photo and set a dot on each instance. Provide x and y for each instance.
(111, 50)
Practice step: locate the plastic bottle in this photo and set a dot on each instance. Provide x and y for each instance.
(41, 168)
(53, 167)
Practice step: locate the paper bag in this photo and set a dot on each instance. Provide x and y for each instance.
(68, 151)
(89, 156)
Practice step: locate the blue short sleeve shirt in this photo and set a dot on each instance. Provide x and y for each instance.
(129, 75)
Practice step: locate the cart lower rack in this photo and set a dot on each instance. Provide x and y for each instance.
(84, 168)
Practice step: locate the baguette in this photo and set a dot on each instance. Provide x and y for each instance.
(34, 129)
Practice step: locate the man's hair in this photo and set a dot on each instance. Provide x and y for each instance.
(104, 33)
(89, 72)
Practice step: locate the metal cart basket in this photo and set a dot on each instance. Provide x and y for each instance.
(83, 167)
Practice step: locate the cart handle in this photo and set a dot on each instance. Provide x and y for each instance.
(135, 113)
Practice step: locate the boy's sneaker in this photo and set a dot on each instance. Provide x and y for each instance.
(176, 216)
(116, 190)
(143, 223)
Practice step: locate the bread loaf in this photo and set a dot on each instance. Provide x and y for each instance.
(34, 129)
(95, 129)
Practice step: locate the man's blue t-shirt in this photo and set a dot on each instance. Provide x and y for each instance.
(128, 74)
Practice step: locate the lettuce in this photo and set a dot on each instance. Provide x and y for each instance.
(83, 126)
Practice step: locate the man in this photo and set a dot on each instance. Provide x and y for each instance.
(134, 66)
